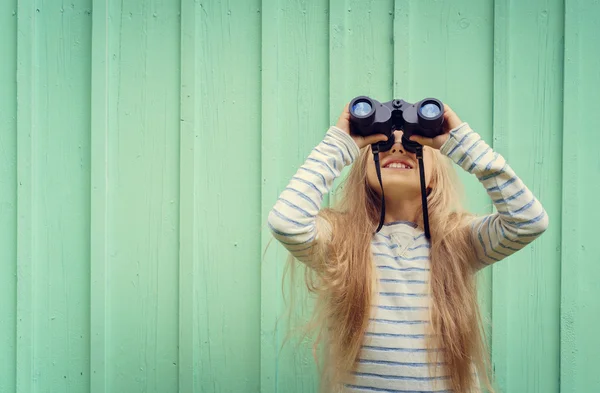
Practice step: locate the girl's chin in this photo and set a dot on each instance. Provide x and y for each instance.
(400, 178)
(401, 184)
(399, 173)
(398, 183)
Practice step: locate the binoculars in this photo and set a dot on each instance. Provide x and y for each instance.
(424, 118)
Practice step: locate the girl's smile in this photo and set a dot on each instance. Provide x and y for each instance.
(397, 163)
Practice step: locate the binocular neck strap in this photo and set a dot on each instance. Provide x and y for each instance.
(419, 154)
(423, 191)
(378, 169)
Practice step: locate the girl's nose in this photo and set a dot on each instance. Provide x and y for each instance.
(397, 147)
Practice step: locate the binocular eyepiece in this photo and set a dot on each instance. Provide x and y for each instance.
(424, 118)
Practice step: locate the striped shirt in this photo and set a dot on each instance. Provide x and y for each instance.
(394, 356)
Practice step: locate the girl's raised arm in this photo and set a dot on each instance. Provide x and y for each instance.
(293, 220)
(520, 217)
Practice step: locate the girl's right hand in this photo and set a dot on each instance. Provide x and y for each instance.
(343, 124)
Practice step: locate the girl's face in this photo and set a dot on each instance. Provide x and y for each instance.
(399, 171)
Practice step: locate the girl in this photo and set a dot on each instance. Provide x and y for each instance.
(399, 312)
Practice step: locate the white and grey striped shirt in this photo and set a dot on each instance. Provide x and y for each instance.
(394, 355)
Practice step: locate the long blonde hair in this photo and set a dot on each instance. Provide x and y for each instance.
(343, 280)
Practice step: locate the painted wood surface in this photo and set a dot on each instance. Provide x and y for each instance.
(142, 144)
(580, 250)
(528, 74)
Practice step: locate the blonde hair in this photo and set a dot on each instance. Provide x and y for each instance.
(343, 280)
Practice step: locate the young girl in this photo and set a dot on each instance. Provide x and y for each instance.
(399, 312)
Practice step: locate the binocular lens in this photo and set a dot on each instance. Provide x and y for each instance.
(430, 110)
(361, 108)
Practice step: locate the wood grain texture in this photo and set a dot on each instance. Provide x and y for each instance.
(53, 176)
(227, 195)
(294, 99)
(188, 341)
(580, 308)
(528, 74)
(8, 196)
(137, 169)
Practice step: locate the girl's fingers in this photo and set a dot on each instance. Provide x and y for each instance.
(375, 138)
(422, 140)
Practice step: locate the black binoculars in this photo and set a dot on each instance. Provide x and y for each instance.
(424, 118)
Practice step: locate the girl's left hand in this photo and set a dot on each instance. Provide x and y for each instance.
(451, 121)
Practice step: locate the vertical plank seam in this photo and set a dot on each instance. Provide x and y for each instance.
(261, 198)
(564, 190)
(563, 15)
(99, 197)
(186, 343)
(491, 290)
(497, 53)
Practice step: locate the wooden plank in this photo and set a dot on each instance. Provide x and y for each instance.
(527, 132)
(295, 88)
(8, 196)
(53, 209)
(226, 191)
(136, 125)
(581, 166)
(451, 61)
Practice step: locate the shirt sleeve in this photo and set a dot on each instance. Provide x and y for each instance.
(294, 219)
(519, 218)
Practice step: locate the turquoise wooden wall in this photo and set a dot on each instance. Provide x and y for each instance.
(142, 144)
